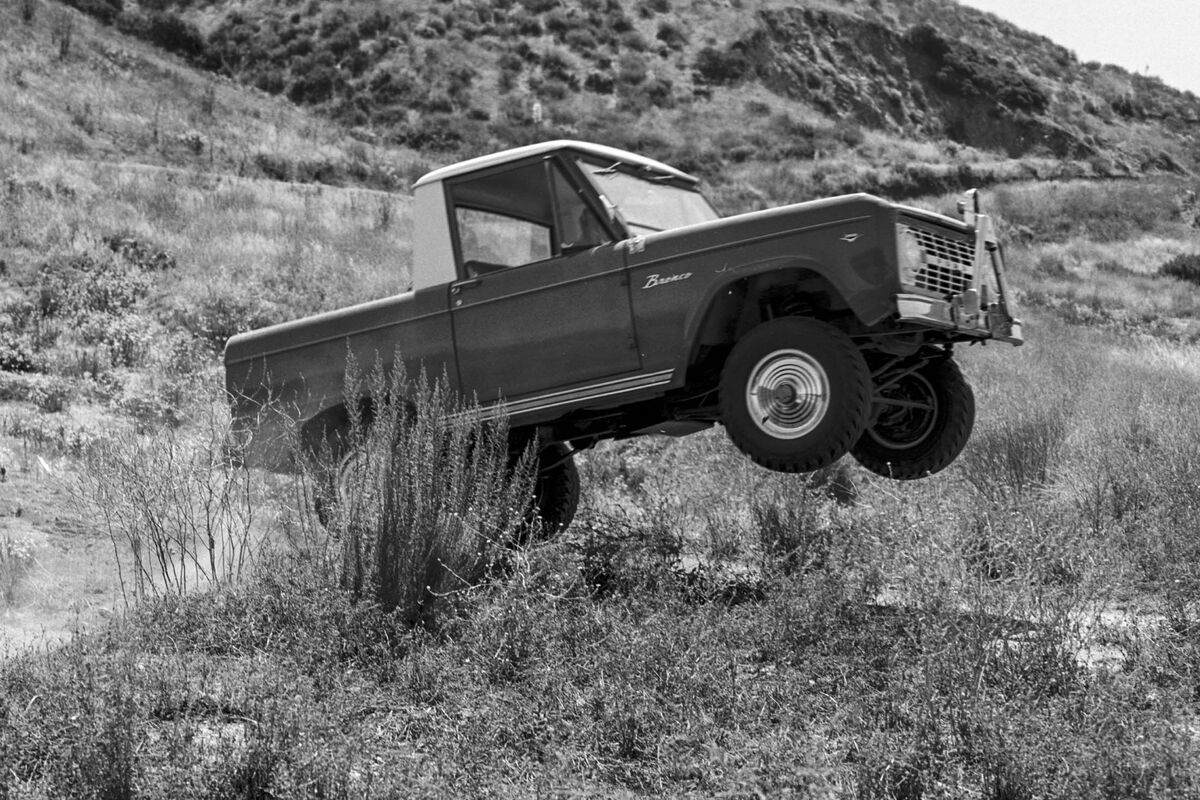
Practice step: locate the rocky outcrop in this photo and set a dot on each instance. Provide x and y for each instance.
(914, 82)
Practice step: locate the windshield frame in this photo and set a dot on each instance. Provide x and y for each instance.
(699, 208)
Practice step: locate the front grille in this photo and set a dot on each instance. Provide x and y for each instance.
(947, 265)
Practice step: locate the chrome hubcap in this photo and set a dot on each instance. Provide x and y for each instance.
(788, 394)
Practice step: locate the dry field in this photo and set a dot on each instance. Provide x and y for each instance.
(1024, 625)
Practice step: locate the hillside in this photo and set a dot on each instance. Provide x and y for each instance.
(466, 75)
(1025, 624)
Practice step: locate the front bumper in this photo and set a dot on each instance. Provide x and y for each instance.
(952, 275)
(961, 315)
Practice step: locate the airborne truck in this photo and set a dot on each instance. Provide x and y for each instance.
(593, 294)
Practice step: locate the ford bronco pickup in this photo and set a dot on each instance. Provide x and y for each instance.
(595, 294)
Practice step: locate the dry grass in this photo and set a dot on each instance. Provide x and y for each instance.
(1023, 625)
(116, 99)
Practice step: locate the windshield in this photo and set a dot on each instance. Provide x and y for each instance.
(650, 203)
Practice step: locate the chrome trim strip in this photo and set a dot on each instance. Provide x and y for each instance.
(583, 393)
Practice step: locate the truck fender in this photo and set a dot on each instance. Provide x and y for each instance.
(718, 317)
(326, 430)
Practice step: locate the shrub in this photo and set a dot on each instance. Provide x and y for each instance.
(722, 67)
(50, 395)
(179, 509)
(599, 82)
(104, 10)
(165, 30)
(16, 355)
(558, 65)
(427, 499)
(315, 85)
(217, 317)
(139, 254)
(126, 338)
(633, 40)
(558, 22)
(1185, 267)
(582, 40)
(85, 284)
(632, 69)
(175, 35)
(672, 35)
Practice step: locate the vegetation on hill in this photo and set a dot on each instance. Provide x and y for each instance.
(469, 76)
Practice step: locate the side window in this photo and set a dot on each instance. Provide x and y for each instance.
(579, 227)
(520, 215)
(491, 241)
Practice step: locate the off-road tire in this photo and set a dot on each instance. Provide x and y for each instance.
(795, 394)
(555, 492)
(906, 443)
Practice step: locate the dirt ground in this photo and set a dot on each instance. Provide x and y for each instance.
(57, 570)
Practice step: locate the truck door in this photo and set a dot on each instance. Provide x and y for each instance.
(542, 303)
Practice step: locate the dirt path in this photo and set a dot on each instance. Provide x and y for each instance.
(57, 571)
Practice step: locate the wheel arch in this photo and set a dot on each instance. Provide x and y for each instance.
(754, 293)
(336, 420)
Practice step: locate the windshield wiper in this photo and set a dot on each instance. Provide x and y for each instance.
(645, 173)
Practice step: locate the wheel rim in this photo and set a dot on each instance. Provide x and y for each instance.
(908, 413)
(787, 394)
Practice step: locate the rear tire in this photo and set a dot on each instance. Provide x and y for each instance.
(555, 492)
(795, 393)
(919, 424)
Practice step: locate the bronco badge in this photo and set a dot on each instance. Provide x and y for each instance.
(655, 280)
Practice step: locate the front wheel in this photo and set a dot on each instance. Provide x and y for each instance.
(795, 393)
(920, 423)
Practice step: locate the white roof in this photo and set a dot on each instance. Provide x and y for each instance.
(587, 148)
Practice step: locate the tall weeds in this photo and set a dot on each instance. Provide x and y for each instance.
(179, 509)
(426, 496)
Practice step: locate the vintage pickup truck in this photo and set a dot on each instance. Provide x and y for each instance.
(596, 294)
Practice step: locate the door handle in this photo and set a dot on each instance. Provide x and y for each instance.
(467, 284)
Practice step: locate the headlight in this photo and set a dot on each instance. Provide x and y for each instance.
(912, 257)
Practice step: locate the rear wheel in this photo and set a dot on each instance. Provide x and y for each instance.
(920, 422)
(795, 393)
(555, 491)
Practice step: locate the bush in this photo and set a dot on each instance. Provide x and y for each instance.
(427, 499)
(722, 67)
(599, 82)
(316, 84)
(672, 35)
(165, 30)
(218, 316)
(632, 69)
(51, 395)
(178, 508)
(84, 284)
(633, 40)
(104, 10)
(140, 254)
(1185, 267)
